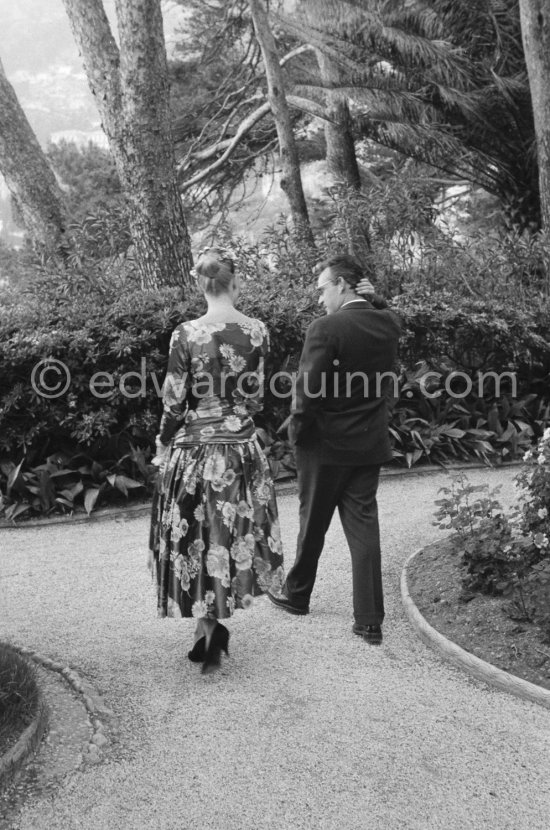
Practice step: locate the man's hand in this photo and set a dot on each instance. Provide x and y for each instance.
(364, 287)
(283, 429)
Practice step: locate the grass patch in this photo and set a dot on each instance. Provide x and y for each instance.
(19, 696)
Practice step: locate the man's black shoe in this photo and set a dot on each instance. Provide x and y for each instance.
(372, 634)
(282, 601)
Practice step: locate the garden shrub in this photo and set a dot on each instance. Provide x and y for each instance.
(81, 447)
(506, 553)
(100, 320)
(399, 223)
(477, 335)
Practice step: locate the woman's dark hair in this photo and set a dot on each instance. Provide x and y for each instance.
(215, 270)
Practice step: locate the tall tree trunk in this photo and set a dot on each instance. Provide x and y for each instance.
(131, 90)
(341, 158)
(292, 180)
(30, 179)
(535, 29)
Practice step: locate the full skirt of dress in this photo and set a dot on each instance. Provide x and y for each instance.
(215, 535)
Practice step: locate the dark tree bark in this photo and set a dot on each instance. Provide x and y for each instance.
(291, 181)
(131, 89)
(535, 29)
(341, 158)
(30, 179)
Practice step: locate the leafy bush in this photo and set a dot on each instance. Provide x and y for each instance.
(483, 531)
(61, 483)
(103, 323)
(506, 553)
(88, 332)
(534, 478)
(438, 420)
(399, 224)
(477, 336)
(97, 319)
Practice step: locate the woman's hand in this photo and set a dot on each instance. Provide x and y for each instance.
(162, 455)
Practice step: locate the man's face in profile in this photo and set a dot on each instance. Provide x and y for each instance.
(330, 293)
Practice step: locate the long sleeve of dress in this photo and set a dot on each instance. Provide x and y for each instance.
(250, 386)
(176, 386)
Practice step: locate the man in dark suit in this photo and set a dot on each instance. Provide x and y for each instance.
(339, 427)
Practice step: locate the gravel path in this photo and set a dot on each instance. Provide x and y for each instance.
(304, 727)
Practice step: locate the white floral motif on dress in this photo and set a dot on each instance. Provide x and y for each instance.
(242, 551)
(256, 330)
(262, 491)
(274, 540)
(214, 467)
(206, 433)
(201, 333)
(229, 477)
(182, 573)
(217, 564)
(244, 510)
(232, 423)
(179, 530)
(210, 408)
(236, 362)
(228, 511)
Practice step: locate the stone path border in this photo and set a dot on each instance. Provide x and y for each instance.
(464, 659)
(91, 700)
(27, 743)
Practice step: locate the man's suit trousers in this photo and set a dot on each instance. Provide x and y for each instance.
(352, 489)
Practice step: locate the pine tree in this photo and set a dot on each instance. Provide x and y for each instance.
(441, 81)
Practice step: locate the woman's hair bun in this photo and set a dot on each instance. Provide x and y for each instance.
(215, 269)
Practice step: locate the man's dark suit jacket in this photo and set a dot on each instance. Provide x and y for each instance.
(341, 405)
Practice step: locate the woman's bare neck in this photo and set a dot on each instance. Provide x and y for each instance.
(220, 312)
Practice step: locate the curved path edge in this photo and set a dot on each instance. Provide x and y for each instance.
(478, 668)
(12, 761)
(92, 701)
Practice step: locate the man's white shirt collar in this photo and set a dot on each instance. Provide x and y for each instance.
(358, 300)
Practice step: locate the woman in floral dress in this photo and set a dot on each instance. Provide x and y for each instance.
(215, 532)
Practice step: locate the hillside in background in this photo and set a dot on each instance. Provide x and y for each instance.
(42, 63)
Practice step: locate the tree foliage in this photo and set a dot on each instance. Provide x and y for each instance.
(441, 81)
(222, 131)
(88, 177)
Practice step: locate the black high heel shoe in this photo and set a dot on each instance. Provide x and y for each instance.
(217, 640)
(196, 655)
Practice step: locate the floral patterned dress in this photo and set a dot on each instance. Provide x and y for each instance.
(215, 533)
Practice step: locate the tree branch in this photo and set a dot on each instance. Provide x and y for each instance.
(230, 147)
(308, 106)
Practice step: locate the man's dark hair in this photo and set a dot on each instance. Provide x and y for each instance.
(350, 270)
(346, 267)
